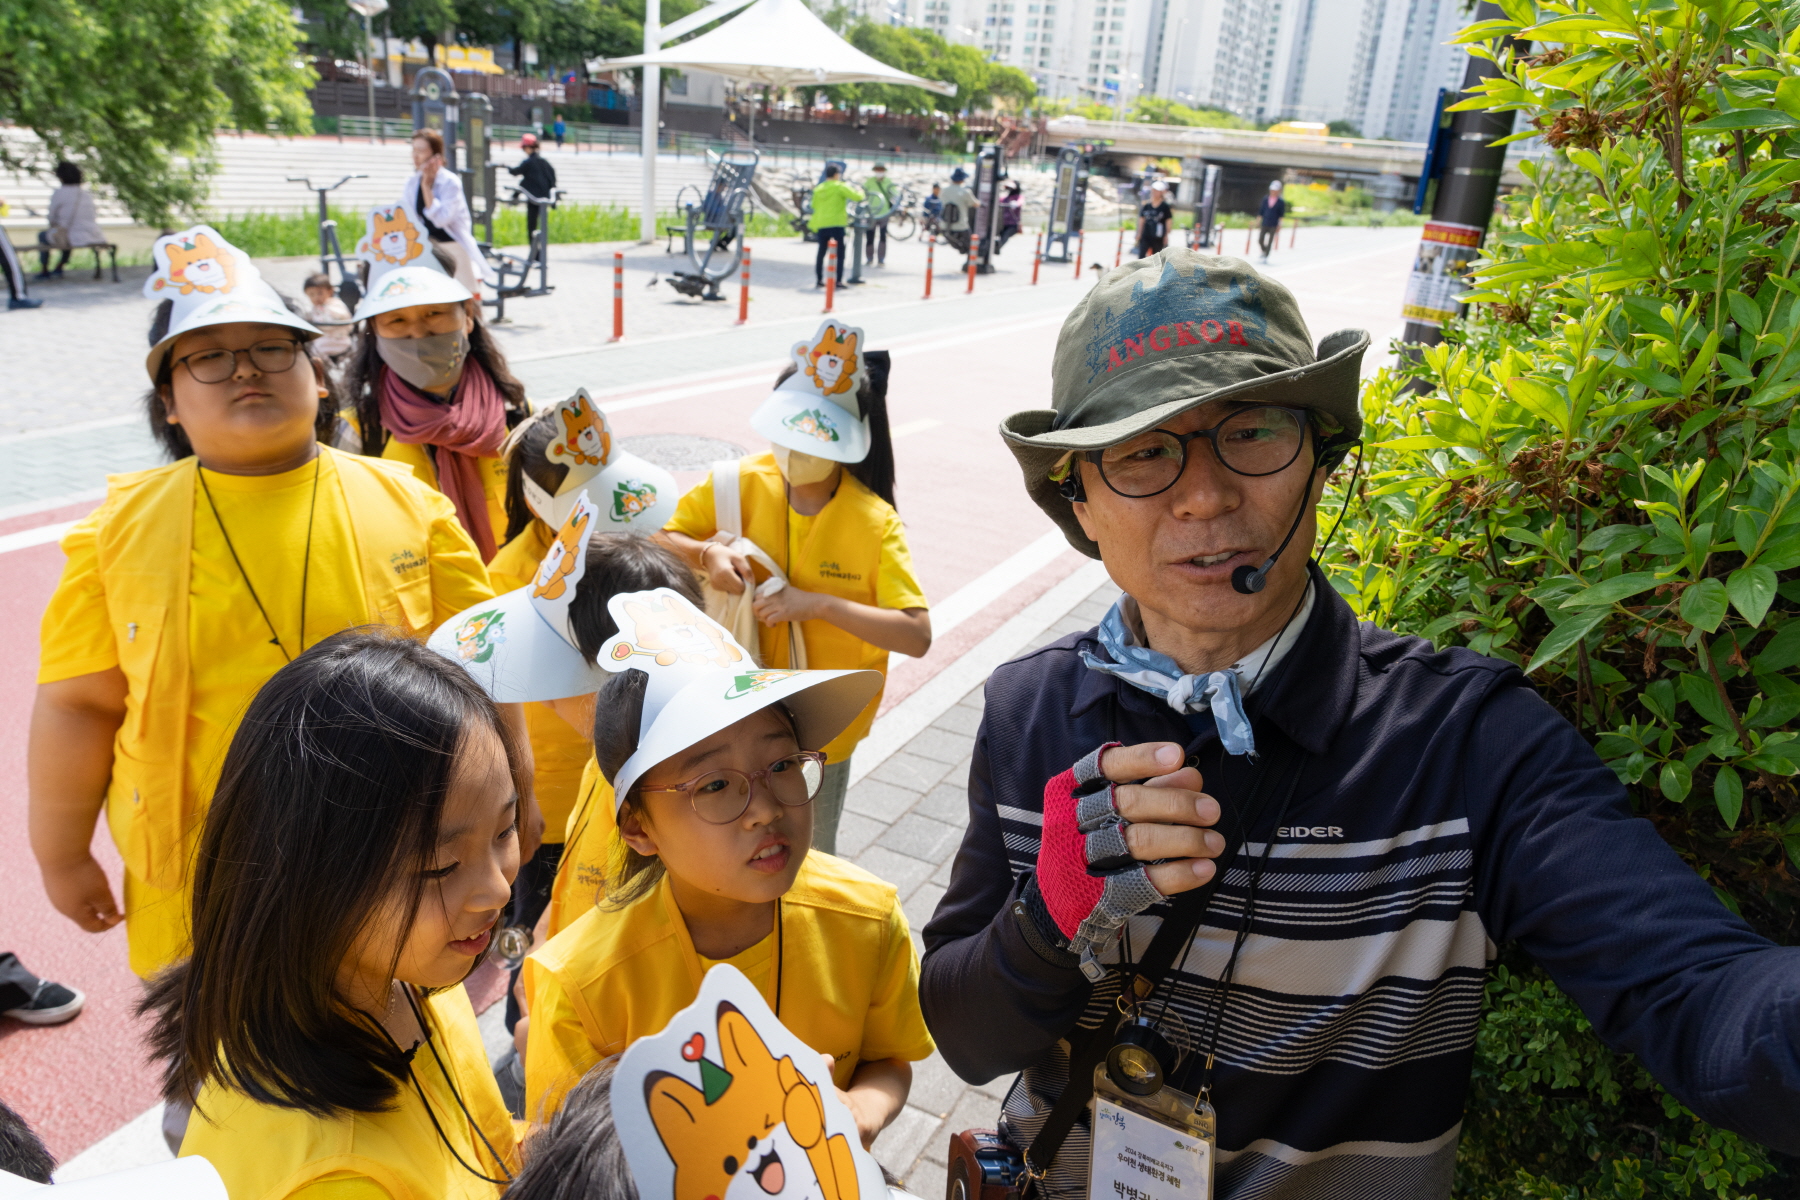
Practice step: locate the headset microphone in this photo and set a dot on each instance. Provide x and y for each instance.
(1250, 580)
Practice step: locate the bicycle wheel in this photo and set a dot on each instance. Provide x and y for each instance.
(901, 225)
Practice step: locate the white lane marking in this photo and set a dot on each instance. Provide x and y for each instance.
(33, 537)
(940, 693)
(994, 583)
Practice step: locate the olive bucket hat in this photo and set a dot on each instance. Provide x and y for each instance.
(1171, 332)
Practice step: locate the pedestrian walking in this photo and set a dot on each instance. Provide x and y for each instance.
(559, 130)
(819, 509)
(883, 195)
(1155, 218)
(72, 221)
(435, 193)
(831, 201)
(1270, 213)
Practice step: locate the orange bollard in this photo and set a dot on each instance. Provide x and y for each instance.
(1119, 254)
(1247, 241)
(744, 290)
(930, 253)
(831, 277)
(1080, 249)
(974, 251)
(1293, 232)
(618, 296)
(1037, 259)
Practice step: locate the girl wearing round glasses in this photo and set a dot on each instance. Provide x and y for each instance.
(194, 582)
(716, 765)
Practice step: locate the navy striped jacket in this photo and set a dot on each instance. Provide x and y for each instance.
(1443, 808)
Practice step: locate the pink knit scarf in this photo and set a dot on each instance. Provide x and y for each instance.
(470, 427)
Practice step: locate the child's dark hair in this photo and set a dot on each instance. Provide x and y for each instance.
(22, 1153)
(173, 438)
(327, 806)
(316, 280)
(529, 456)
(577, 1154)
(619, 563)
(876, 472)
(363, 367)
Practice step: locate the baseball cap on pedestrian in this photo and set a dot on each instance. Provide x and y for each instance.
(529, 139)
(1171, 332)
(210, 282)
(633, 494)
(520, 646)
(816, 410)
(702, 681)
(881, 167)
(403, 271)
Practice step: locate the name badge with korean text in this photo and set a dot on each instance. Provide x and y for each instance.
(1150, 1148)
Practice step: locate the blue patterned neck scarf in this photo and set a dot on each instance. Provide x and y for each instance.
(1221, 692)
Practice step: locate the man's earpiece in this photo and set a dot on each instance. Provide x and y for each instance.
(1070, 489)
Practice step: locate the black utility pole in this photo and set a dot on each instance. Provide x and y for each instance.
(1468, 181)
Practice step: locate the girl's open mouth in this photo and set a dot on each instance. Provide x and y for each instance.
(771, 859)
(475, 945)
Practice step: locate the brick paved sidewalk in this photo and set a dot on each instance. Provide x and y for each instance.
(904, 822)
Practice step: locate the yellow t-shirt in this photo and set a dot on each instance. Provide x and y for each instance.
(849, 980)
(558, 750)
(493, 477)
(267, 518)
(591, 845)
(855, 547)
(268, 1153)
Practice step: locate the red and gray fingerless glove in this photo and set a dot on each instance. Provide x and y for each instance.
(1085, 872)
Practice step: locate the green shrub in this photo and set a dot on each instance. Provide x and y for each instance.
(1598, 478)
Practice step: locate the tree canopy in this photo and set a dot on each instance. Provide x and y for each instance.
(132, 90)
(981, 85)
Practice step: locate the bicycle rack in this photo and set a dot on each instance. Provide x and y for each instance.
(349, 287)
(514, 272)
(718, 216)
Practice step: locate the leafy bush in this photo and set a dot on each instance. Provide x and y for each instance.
(1597, 476)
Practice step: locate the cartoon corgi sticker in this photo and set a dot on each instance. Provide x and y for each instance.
(755, 681)
(813, 423)
(668, 630)
(392, 238)
(631, 499)
(727, 1104)
(831, 362)
(583, 436)
(195, 260)
(558, 573)
(478, 637)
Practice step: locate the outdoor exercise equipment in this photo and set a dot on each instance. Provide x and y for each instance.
(331, 253)
(1199, 191)
(984, 222)
(715, 217)
(1068, 204)
(514, 272)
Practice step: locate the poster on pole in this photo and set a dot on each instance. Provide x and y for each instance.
(1435, 288)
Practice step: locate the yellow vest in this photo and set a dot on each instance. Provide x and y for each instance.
(145, 553)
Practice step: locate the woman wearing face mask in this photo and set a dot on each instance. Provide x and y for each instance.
(820, 505)
(429, 387)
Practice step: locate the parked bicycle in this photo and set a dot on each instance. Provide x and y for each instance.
(902, 224)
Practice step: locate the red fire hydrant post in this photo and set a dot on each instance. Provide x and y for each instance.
(1037, 259)
(1119, 254)
(831, 277)
(1293, 232)
(1080, 249)
(974, 252)
(930, 254)
(744, 290)
(618, 295)
(1247, 234)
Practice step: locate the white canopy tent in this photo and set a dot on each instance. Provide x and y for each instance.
(777, 43)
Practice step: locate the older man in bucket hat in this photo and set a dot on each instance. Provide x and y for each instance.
(1383, 813)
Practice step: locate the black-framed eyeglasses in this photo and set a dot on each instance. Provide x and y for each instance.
(721, 797)
(216, 366)
(1259, 440)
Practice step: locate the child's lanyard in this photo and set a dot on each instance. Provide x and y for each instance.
(450, 1082)
(787, 541)
(312, 512)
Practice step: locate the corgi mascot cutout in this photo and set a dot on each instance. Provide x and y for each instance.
(831, 362)
(669, 629)
(392, 238)
(196, 260)
(564, 555)
(584, 438)
(727, 1104)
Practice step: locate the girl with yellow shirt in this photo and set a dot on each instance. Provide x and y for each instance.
(821, 506)
(352, 870)
(553, 457)
(717, 765)
(193, 583)
(427, 383)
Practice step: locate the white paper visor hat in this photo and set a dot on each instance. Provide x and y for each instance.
(521, 646)
(815, 410)
(211, 282)
(190, 1178)
(403, 271)
(633, 495)
(701, 681)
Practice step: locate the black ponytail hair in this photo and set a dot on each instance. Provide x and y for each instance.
(529, 456)
(876, 471)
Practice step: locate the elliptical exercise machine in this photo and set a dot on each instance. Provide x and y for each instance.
(716, 217)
